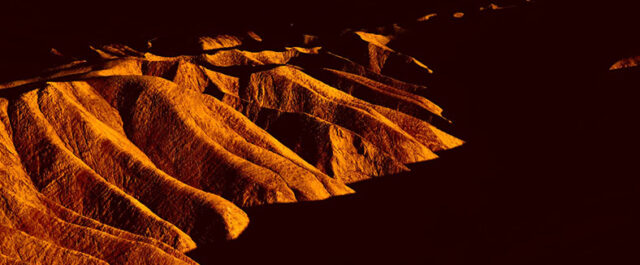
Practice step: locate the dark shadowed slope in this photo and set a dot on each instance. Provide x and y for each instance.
(146, 149)
(547, 175)
(142, 153)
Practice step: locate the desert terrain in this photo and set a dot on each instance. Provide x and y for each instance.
(459, 132)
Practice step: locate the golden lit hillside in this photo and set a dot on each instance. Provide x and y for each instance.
(137, 156)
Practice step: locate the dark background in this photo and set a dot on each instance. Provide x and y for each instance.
(548, 174)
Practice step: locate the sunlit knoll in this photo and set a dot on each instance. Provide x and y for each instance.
(135, 156)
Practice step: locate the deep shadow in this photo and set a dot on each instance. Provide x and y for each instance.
(546, 176)
(389, 220)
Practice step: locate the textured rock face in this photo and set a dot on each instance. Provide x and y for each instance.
(626, 63)
(135, 158)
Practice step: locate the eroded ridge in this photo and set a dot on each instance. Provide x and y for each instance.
(136, 156)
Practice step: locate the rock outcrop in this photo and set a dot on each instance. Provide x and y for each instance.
(629, 62)
(133, 156)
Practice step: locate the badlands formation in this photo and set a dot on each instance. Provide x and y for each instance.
(127, 155)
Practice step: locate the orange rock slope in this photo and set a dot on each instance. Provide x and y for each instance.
(136, 156)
